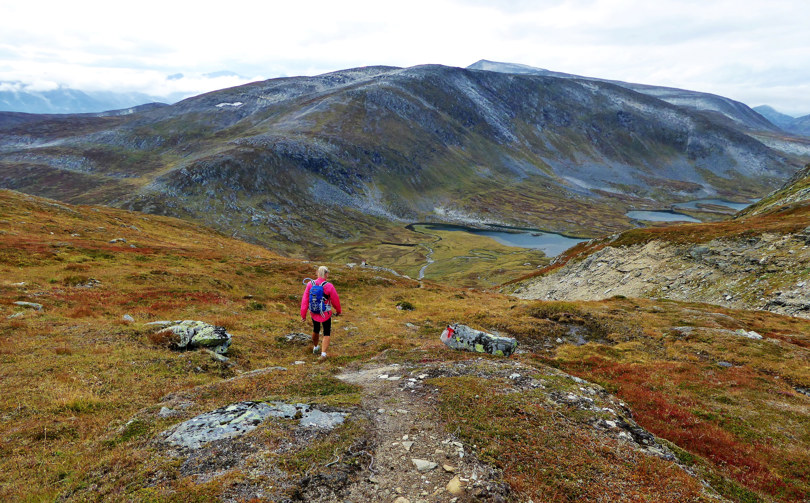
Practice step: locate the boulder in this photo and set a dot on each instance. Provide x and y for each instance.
(462, 337)
(749, 334)
(190, 334)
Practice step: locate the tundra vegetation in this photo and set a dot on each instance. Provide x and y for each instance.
(82, 384)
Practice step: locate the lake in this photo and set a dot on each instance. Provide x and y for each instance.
(660, 216)
(550, 243)
(693, 205)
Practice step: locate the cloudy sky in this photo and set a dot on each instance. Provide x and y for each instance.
(754, 51)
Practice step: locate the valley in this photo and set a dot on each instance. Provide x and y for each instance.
(657, 360)
(307, 166)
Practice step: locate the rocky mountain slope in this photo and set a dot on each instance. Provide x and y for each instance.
(732, 110)
(618, 400)
(353, 155)
(798, 125)
(759, 260)
(789, 137)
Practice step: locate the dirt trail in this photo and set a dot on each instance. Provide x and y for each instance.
(405, 425)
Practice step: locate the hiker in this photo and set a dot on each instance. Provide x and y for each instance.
(321, 300)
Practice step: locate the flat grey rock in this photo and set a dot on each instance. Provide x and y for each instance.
(227, 422)
(324, 420)
(240, 418)
(167, 412)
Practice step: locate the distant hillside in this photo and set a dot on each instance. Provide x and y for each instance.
(357, 154)
(759, 260)
(798, 125)
(15, 97)
(777, 118)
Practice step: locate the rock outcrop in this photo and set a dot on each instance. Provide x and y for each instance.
(190, 334)
(458, 336)
(770, 272)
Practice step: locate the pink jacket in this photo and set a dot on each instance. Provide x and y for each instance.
(332, 298)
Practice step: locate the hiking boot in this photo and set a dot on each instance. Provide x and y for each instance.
(316, 350)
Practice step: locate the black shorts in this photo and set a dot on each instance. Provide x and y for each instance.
(327, 327)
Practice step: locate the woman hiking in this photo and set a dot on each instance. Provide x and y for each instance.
(320, 299)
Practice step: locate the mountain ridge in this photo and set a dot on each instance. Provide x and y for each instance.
(388, 145)
(706, 102)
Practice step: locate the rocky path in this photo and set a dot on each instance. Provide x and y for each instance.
(415, 459)
(408, 453)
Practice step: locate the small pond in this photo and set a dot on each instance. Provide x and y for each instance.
(548, 242)
(660, 216)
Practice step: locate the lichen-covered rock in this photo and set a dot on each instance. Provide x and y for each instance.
(190, 334)
(458, 336)
(239, 418)
(227, 422)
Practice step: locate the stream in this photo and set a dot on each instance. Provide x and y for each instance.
(429, 259)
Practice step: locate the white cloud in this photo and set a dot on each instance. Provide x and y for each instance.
(747, 50)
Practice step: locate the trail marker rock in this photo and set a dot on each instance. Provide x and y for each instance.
(458, 336)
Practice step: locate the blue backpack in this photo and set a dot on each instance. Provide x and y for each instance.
(318, 301)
